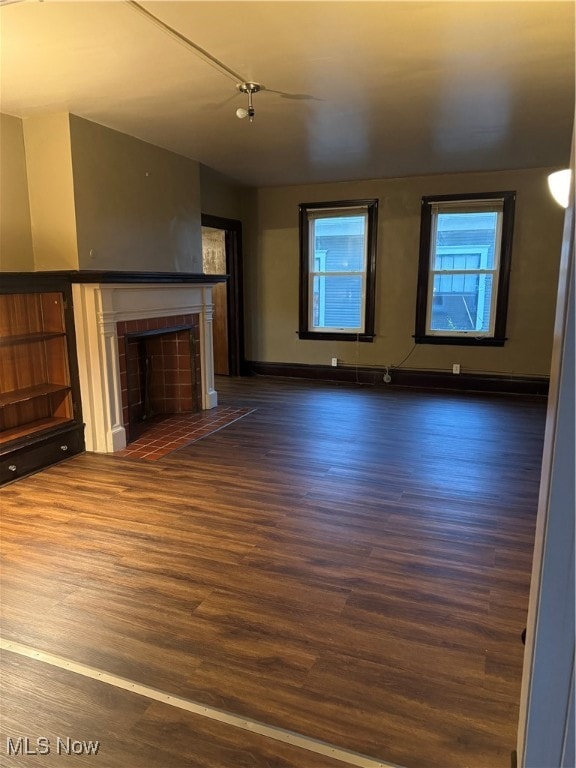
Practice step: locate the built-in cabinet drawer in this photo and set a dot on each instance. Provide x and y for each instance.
(41, 453)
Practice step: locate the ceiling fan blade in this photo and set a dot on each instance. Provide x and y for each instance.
(223, 103)
(293, 96)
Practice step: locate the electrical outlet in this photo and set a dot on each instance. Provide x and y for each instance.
(455, 367)
(334, 362)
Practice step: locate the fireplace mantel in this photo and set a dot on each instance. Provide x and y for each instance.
(101, 300)
(111, 276)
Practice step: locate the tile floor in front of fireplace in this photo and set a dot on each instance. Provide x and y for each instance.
(168, 433)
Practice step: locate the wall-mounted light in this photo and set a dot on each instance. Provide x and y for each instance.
(248, 88)
(559, 183)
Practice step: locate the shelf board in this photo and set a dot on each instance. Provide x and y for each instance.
(5, 341)
(31, 428)
(30, 393)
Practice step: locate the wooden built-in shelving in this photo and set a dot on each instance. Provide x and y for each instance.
(31, 428)
(30, 393)
(37, 394)
(28, 337)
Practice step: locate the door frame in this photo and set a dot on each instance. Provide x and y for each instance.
(234, 284)
(546, 720)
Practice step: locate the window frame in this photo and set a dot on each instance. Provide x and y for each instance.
(370, 207)
(497, 337)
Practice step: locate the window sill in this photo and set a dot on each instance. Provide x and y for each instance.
(462, 341)
(332, 336)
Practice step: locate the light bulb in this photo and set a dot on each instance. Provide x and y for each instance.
(241, 113)
(559, 184)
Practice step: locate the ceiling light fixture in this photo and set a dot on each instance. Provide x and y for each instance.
(248, 88)
(243, 86)
(559, 183)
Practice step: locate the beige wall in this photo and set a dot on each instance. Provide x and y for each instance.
(220, 196)
(272, 273)
(100, 199)
(137, 205)
(51, 191)
(16, 252)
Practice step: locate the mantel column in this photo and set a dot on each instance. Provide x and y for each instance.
(98, 363)
(209, 394)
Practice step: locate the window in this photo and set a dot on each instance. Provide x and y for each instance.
(337, 270)
(465, 246)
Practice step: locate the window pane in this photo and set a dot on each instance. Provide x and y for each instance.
(461, 302)
(465, 240)
(337, 269)
(337, 302)
(339, 244)
(464, 268)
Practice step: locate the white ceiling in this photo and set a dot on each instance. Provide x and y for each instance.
(353, 90)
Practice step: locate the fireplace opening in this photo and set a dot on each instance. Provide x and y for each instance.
(162, 375)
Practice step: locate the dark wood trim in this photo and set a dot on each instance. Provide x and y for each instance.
(304, 277)
(371, 248)
(235, 294)
(505, 263)
(499, 338)
(73, 354)
(320, 336)
(89, 276)
(460, 341)
(423, 270)
(234, 297)
(407, 377)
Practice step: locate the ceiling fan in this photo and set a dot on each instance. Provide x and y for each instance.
(242, 84)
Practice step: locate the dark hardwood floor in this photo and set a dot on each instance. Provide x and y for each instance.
(349, 563)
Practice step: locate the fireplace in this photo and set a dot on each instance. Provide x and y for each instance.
(111, 320)
(159, 370)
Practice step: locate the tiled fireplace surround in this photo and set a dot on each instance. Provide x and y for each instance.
(172, 350)
(104, 315)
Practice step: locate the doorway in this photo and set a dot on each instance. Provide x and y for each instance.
(222, 255)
